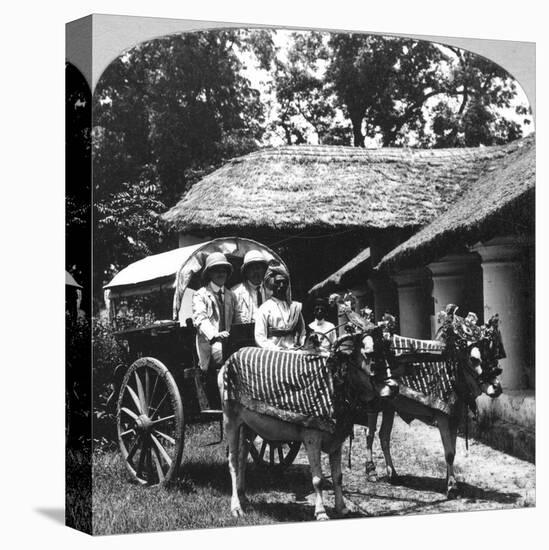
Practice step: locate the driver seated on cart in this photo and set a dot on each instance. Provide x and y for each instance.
(321, 326)
(214, 311)
(251, 292)
(279, 323)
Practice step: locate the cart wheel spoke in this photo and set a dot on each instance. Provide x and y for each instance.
(163, 452)
(150, 473)
(151, 400)
(281, 453)
(135, 399)
(158, 465)
(141, 393)
(147, 391)
(157, 408)
(129, 413)
(165, 419)
(165, 436)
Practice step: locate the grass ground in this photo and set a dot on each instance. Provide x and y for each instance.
(201, 496)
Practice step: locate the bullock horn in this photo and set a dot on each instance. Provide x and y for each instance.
(342, 339)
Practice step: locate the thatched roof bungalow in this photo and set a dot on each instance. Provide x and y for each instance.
(318, 206)
(301, 188)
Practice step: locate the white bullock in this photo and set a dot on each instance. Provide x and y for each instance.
(352, 388)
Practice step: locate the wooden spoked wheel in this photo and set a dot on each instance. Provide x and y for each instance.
(150, 422)
(273, 455)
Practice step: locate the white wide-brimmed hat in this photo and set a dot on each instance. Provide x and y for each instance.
(253, 257)
(216, 259)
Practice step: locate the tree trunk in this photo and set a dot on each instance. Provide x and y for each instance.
(358, 136)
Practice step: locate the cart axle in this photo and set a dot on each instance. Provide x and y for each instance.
(143, 424)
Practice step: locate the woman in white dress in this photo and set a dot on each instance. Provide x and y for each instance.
(279, 321)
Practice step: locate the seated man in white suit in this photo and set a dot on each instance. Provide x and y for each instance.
(251, 292)
(213, 314)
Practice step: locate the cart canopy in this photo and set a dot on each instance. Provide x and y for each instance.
(152, 273)
(181, 269)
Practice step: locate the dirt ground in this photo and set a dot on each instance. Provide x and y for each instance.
(200, 497)
(488, 479)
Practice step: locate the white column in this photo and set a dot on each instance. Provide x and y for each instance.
(413, 302)
(504, 293)
(452, 285)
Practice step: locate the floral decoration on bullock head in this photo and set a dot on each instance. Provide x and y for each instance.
(367, 313)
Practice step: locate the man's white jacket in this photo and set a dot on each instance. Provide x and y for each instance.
(206, 316)
(246, 301)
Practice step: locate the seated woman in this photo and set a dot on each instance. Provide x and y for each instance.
(279, 322)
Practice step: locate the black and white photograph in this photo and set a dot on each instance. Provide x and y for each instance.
(305, 261)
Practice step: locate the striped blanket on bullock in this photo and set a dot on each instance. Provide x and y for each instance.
(291, 386)
(431, 383)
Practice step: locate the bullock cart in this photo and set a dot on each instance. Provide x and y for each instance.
(159, 389)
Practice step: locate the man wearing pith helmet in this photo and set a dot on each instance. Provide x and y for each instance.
(251, 292)
(213, 311)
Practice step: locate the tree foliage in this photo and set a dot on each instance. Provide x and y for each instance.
(166, 113)
(344, 88)
(482, 89)
(306, 106)
(386, 86)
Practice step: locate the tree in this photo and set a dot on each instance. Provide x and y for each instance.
(166, 113)
(383, 83)
(305, 105)
(483, 89)
(386, 86)
(128, 225)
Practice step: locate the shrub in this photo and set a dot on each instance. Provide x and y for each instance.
(77, 380)
(108, 354)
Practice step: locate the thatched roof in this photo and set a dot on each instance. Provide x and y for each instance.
(501, 201)
(305, 187)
